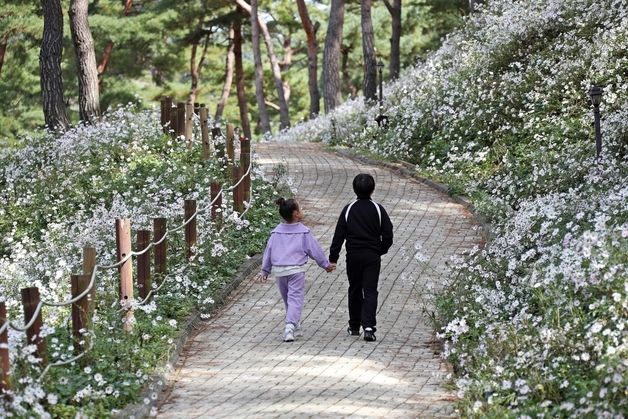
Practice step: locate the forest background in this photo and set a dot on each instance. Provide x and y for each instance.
(151, 48)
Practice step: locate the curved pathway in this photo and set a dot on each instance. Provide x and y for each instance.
(238, 366)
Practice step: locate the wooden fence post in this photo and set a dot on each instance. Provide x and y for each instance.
(245, 161)
(174, 124)
(190, 228)
(217, 205)
(166, 106)
(123, 244)
(238, 205)
(5, 383)
(159, 230)
(229, 144)
(205, 132)
(180, 118)
(144, 284)
(189, 123)
(89, 262)
(80, 313)
(30, 300)
(219, 146)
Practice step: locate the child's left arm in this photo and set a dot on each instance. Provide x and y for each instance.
(314, 251)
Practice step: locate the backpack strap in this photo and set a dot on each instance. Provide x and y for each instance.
(379, 212)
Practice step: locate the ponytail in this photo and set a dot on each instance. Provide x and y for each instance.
(287, 208)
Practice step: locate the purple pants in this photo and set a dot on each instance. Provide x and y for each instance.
(292, 290)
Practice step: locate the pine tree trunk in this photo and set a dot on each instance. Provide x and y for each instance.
(239, 73)
(193, 74)
(89, 99)
(259, 71)
(284, 116)
(394, 67)
(195, 69)
(331, 56)
(229, 62)
(50, 66)
(312, 53)
(368, 52)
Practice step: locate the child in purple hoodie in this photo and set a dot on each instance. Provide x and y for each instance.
(285, 257)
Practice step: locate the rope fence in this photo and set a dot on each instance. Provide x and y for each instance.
(176, 120)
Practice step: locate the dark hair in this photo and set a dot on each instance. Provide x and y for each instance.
(287, 208)
(363, 185)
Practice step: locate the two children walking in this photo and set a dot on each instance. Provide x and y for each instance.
(367, 230)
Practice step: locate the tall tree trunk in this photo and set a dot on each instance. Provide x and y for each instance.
(394, 66)
(195, 69)
(312, 53)
(104, 59)
(331, 56)
(89, 99)
(239, 72)
(368, 51)
(229, 62)
(259, 71)
(3, 50)
(50, 66)
(128, 5)
(347, 83)
(284, 116)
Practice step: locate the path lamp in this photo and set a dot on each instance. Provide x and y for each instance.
(596, 98)
(382, 120)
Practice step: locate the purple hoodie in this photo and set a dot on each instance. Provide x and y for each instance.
(290, 245)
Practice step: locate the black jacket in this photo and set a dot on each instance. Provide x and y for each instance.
(362, 230)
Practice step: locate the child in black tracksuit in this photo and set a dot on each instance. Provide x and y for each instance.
(366, 227)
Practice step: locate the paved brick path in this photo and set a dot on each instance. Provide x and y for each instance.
(238, 366)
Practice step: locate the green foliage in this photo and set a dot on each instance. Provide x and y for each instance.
(152, 45)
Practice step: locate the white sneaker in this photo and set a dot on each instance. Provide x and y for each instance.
(298, 331)
(288, 333)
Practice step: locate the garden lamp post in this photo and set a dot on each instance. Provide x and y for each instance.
(380, 67)
(382, 120)
(596, 98)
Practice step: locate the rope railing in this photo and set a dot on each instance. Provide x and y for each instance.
(36, 312)
(121, 262)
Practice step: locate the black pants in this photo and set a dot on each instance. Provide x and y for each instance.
(363, 273)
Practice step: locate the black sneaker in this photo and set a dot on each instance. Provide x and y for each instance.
(353, 332)
(369, 335)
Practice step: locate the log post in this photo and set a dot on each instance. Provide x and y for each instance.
(219, 146)
(30, 301)
(172, 129)
(123, 244)
(180, 118)
(245, 161)
(205, 132)
(159, 231)
(238, 204)
(216, 212)
(190, 228)
(166, 106)
(89, 262)
(144, 284)
(189, 124)
(229, 144)
(5, 383)
(80, 313)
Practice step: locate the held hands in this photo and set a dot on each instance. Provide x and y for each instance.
(331, 267)
(262, 277)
